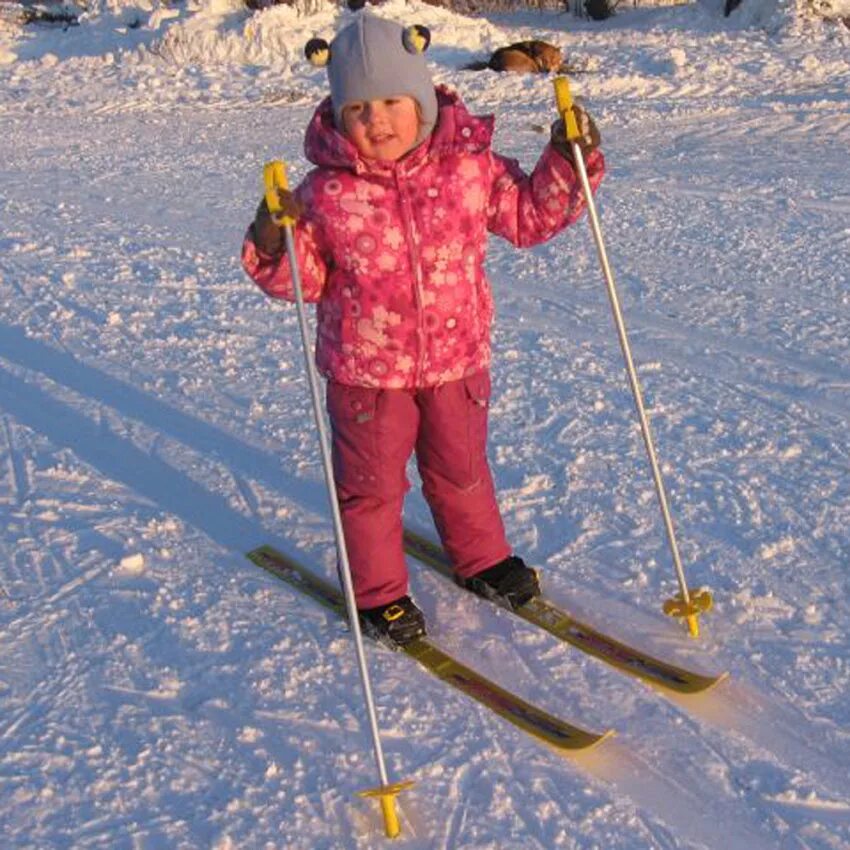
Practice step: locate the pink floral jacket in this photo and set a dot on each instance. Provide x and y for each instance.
(393, 252)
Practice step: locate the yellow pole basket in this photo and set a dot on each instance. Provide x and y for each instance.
(387, 794)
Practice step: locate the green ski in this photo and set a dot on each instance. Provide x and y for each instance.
(541, 612)
(558, 734)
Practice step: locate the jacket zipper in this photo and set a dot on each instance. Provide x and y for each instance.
(413, 252)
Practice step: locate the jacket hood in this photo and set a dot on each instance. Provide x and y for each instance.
(456, 131)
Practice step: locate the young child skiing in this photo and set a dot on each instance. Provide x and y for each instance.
(390, 235)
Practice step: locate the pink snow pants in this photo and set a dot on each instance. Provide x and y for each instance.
(374, 433)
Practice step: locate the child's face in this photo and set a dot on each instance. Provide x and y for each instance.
(382, 129)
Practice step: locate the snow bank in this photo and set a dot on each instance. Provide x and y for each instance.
(220, 32)
(225, 32)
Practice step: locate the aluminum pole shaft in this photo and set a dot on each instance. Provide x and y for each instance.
(660, 491)
(327, 464)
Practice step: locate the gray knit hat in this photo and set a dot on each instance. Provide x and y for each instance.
(374, 58)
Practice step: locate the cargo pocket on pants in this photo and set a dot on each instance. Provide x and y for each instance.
(356, 453)
(477, 390)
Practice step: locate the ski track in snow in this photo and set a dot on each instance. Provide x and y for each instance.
(157, 691)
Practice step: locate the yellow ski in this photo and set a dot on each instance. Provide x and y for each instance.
(564, 626)
(558, 734)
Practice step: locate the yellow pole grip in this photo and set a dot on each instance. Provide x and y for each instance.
(274, 178)
(564, 99)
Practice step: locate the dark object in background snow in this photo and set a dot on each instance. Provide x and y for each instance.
(254, 5)
(600, 10)
(530, 57)
(730, 7)
(52, 14)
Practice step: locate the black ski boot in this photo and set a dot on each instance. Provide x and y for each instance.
(396, 623)
(510, 583)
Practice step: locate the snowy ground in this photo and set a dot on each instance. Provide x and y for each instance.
(158, 691)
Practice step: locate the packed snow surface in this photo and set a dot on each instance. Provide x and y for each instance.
(157, 690)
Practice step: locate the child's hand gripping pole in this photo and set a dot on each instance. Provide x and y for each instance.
(685, 605)
(274, 181)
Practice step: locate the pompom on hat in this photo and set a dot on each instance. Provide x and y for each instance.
(372, 59)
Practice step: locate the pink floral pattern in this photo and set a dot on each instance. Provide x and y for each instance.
(393, 253)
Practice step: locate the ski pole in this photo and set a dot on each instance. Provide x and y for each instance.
(274, 178)
(687, 605)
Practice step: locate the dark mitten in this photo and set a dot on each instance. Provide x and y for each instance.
(268, 236)
(588, 141)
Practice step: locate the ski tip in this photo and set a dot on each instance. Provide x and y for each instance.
(607, 735)
(700, 686)
(585, 743)
(718, 680)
